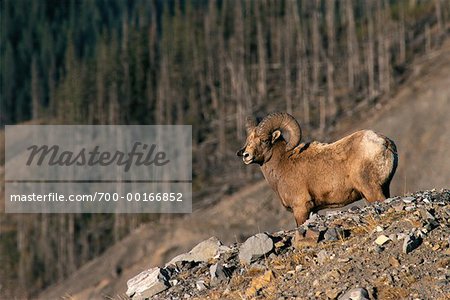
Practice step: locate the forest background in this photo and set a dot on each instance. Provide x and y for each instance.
(208, 64)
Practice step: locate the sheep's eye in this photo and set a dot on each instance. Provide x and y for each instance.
(266, 142)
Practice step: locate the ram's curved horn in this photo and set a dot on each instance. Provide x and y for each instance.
(284, 122)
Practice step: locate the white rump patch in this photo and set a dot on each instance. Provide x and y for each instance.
(372, 143)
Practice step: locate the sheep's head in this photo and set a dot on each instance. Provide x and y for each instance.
(261, 137)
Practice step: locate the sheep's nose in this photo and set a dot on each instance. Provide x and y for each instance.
(246, 154)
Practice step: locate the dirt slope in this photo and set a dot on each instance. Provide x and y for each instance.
(415, 118)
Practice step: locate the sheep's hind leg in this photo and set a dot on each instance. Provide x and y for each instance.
(373, 194)
(367, 185)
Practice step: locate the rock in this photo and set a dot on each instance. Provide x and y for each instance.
(256, 268)
(410, 208)
(301, 231)
(259, 283)
(332, 293)
(255, 247)
(431, 224)
(308, 237)
(427, 214)
(312, 219)
(408, 199)
(335, 234)
(313, 234)
(355, 294)
(381, 240)
(394, 262)
(333, 275)
(354, 209)
(401, 236)
(398, 206)
(410, 243)
(389, 200)
(201, 286)
(279, 244)
(203, 252)
(147, 283)
(219, 273)
(378, 249)
(322, 256)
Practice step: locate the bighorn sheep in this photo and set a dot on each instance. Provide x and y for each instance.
(311, 176)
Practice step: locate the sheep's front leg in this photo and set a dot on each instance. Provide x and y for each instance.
(301, 211)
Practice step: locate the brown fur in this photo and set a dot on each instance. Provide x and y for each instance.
(316, 175)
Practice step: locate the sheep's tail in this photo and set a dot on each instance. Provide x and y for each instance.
(390, 145)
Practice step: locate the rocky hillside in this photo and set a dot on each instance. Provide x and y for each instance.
(415, 117)
(396, 249)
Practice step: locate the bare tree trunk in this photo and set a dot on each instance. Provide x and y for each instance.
(316, 47)
(114, 109)
(52, 88)
(380, 44)
(223, 85)
(387, 61)
(152, 35)
(62, 249)
(160, 111)
(209, 42)
(71, 246)
(330, 56)
(237, 71)
(276, 37)
(384, 76)
(153, 68)
(262, 72)
(402, 36)
(35, 90)
(352, 45)
(217, 102)
(384, 47)
(302, 82)
(126, 85)
(370, 57)
(287, 57)
(439, 23)
(99, 110)
(427, 38)
(22, 247)
(44, 245)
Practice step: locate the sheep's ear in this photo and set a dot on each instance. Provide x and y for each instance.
(275, 135)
